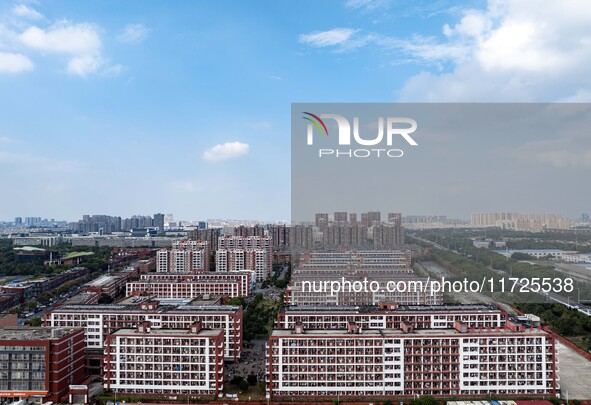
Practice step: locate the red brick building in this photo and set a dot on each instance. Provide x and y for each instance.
(40, 362)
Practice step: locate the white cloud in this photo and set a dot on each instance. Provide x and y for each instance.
(417, 48)
(514, 51)
(114, 70)
(133, 33)
(14, 63)
(226, 151)
(84, 65)
(80, 41)
(5, 139)
(64, 37)
(367, 5)
(24, 11)
(336, 36)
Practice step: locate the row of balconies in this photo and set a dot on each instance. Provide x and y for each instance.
(126, 380)
(321, 369)
(165, 359)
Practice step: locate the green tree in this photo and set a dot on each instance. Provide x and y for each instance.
(236, 380)
(36, 321)
(243, 385)
(252, 379)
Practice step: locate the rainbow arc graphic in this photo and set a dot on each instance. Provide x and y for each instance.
(317, 122)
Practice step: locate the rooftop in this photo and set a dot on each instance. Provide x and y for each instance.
(399, 333)
(34, 333)
(118, 308)
(401, 308)
(102, 281)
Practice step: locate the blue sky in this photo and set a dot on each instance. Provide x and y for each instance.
(139, 107)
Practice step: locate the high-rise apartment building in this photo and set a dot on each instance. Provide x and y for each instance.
(340, 218)
(301, 237)
(387, 235)
(245, 253)
(185, 256)
(280, 235)
(321, 220)
(344, 236)
(159, 222)
(395, 218)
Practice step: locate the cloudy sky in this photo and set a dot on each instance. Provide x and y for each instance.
(142, 107)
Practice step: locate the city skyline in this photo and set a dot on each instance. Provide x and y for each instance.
(279, 220)
(160, 107)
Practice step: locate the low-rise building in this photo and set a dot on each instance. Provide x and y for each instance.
(147, 361)
(100, 320)
(191, 285)
(411, 362)
(40, 362)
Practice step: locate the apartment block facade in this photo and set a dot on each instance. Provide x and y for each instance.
(40, 362)
(237, 253)
(147, 361)
(407, 362)
(185, 256)
(244, 279)
(100, 320)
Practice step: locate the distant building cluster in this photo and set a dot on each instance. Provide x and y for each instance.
(28, 290)
(106, 224)
(344, 230)
(527, 222)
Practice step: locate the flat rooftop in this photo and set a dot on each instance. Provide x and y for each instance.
(201, 300)
(294, 309)
(102, 281)
(399, 333)
(172, 309)
(34, 333)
